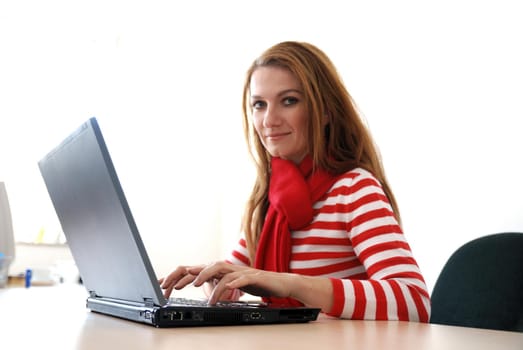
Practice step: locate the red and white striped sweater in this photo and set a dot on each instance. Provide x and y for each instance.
(355, 240)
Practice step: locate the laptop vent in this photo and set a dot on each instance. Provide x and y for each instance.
(222, 317)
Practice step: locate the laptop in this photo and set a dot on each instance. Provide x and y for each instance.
(111, 258)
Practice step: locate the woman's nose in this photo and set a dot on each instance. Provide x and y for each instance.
(271, 117)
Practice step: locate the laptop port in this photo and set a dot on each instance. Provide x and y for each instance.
(255, 315)
(172, 315)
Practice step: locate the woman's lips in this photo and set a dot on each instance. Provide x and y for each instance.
(276, 136)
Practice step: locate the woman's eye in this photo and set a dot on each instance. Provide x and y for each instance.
(258, 104)
(290, 101)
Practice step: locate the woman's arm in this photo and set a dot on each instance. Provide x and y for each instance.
(311, 291)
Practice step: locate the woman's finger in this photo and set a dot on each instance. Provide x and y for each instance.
(173, 277)
(167, 292)
(195, 270)
(185, 280)
(213, 271)
(221, 288)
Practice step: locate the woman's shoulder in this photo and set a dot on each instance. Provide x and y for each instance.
(356, 175)
(354, 185)
(356, 180)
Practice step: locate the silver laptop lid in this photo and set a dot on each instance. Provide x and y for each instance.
(96, 218)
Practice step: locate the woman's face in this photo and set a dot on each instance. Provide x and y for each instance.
(279, 113)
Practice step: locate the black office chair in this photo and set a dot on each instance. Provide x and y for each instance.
(481, 285)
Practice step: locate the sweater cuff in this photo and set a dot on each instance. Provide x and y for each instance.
(338, 300)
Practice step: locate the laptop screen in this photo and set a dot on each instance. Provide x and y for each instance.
(96, 219)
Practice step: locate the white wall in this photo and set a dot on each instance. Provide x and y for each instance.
(440, 84)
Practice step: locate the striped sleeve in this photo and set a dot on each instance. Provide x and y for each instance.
(240, 255)
(394, 288)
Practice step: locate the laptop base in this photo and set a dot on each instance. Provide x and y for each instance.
(186, 316)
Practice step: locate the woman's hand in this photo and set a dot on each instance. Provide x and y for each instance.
(185, 275)
(228, 277)
(178, 279)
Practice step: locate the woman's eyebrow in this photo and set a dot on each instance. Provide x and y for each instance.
(283, 92)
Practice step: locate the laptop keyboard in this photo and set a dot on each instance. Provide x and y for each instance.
(185, 301)
(202, 302)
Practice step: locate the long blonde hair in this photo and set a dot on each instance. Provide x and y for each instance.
(342, 145)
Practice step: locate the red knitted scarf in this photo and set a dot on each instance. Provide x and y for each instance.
(292, 192)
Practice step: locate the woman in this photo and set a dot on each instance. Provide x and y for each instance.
(322, 227)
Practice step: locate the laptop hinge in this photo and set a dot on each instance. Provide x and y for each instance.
(92, 294)
(148, 302)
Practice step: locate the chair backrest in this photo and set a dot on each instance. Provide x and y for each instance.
(481, 285)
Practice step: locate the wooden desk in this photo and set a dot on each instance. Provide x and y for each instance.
(56, 318)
